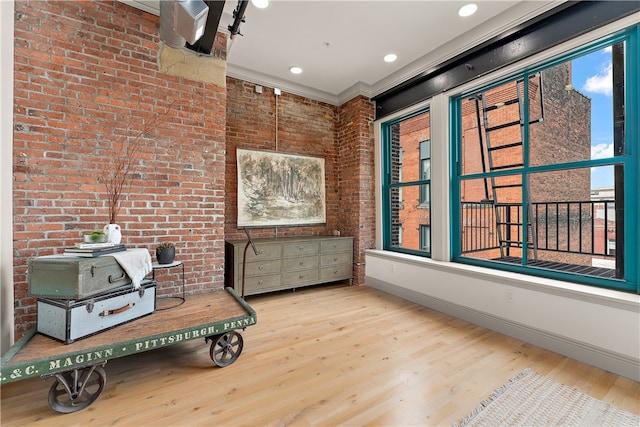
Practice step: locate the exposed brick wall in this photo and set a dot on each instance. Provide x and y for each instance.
(84, 73)
(342, 136)
(86, 76)
(305, 127)
(356, 177)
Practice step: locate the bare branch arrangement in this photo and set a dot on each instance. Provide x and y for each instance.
(117, 174)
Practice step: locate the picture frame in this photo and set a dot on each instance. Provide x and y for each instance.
(277, 189)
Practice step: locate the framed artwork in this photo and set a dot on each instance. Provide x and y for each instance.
(276, 189)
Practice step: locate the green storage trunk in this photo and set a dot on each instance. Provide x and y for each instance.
(67, 277)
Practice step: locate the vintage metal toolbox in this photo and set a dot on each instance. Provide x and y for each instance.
(74, 277)
(69, 320)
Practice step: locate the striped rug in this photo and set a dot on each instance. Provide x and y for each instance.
(530, 399)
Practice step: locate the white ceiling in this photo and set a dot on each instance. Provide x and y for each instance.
(340, 44)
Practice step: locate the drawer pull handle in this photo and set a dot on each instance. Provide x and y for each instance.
(301, 263)
(122, 309)
(260, 282)
(112, 280)
(261, 251)
(301, 277)
(335, 259)
(261, 267)
(301, 248)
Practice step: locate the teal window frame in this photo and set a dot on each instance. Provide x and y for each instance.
(630, 161)
(387, 186)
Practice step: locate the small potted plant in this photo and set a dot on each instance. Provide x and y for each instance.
(95, 237)
(165, 252)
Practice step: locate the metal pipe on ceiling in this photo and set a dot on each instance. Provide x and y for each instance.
(238, 17)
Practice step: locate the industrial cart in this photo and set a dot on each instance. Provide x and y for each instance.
(78, 367)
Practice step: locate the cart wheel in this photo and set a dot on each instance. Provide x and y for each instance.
(76, 389)
(226, 348)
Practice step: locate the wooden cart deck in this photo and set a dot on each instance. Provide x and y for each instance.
(200, 316)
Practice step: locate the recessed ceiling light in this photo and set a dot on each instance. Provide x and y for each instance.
(390, 57)
(468, 9)
(260, 4)
(295, 70)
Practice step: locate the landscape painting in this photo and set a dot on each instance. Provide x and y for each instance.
(276, 189)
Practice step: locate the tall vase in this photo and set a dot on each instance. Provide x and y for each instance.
(113, 233)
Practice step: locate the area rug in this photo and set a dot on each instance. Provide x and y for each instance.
(530, 399)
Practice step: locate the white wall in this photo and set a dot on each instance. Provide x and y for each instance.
(6, 148)
(597, 326)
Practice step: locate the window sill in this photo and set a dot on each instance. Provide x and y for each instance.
(613, 298)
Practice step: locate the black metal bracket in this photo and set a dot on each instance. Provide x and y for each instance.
(238, 17)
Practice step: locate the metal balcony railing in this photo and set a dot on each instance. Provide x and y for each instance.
(576, 227)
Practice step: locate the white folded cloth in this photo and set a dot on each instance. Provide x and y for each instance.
(136, 263)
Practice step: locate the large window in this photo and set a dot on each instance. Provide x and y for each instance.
(407, 183)
(529, 153)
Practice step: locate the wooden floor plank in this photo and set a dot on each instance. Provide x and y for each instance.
(325, 356)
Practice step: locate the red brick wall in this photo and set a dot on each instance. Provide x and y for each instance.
(356, 205)
(84, 73)
(342, 135)
(305, 127)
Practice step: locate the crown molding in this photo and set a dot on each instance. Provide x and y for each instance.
(284, 85)
(358, 89)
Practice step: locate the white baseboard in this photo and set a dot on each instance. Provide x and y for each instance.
(584, 352)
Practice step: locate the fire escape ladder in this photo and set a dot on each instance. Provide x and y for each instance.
(502, 154)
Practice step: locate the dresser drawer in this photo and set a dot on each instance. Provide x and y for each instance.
(335, 259)
(301, 248)
(262, 283)
(300, 263)
(336, 245)
(297, 277)
(265, 251)
(336, 273)
(261, 268)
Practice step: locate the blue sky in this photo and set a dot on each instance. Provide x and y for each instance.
(592, 76)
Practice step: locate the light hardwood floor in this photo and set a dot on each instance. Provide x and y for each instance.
(326, 356)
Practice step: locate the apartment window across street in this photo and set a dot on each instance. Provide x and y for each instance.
(425, 172)
(406, 187)
(547, 169)
(425, 238)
